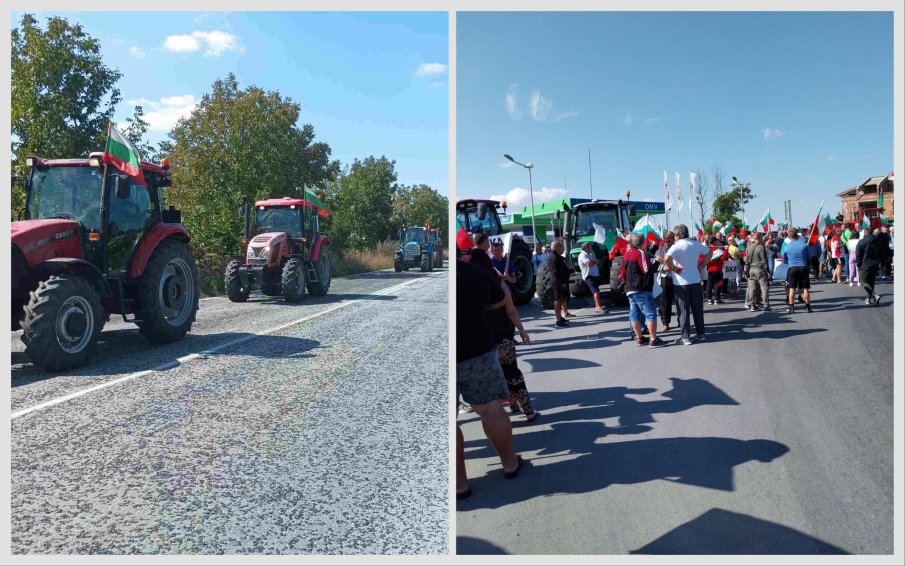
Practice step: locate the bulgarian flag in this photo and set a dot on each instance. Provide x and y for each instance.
(766, 221)
(122, 155)
(883, 219)
(727, 228)
(826, 223)
(463, 240)
(716, 225)
(612, 240)
(814, 234)
(697, 227)
(865, 223)
(880, 199)
(645, 227)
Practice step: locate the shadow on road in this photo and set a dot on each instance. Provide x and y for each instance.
(724, 532)
(704, 462)
(125, 351)
(472, 545)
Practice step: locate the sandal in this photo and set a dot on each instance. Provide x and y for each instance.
(514, 473)
(532, 416)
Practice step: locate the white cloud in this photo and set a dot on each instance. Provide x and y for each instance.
(651, 121)
(518, 198)
(628, 120)
(512, 103)
(768, 133)
(505, 164)
(539, 106)
(830, 157)
(215, 43)
(161, 115)
(137, 52)
(428, 69)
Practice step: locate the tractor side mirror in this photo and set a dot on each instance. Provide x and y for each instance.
(122, 188)
(482, 211)
(630, 209)
(164, 182)
(171, 216)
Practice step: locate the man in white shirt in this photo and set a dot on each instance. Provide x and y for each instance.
(590, 273)
(685, 259)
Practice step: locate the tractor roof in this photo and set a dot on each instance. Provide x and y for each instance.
(309, 200)
(145, 165)
(465, 203)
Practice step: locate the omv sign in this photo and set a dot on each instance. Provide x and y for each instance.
(644, 207)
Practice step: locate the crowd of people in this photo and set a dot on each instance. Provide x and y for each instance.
(657, 274)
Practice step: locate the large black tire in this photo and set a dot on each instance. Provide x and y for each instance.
(294, 280)
(235, 290)
(545, 286)
(168, 293)
(396, 266)
(438, 260)
(425, 262)
(617, 287)
(520, 262)
(323, 268)
(62, 322)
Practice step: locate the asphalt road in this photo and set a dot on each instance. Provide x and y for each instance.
(775, 436)
(316, 428)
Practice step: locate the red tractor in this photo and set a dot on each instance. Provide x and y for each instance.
(873, 217)
(286, 252)
(437, 246)
(96, 243)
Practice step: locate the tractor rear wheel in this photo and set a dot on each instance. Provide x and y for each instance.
(545, 285)
(294, 280)
(63, 321)
(425, 262)
(520, 260)
(397, 267)
(168, 293)
(322, 266)
(235, 290)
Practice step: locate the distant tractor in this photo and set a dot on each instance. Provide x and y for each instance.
(481, 216)
(94, 243)
(286, 253)
(578, 228)
(416, 249)
(873, 217)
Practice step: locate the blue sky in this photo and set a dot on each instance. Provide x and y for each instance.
(800, 105)
(369, 83)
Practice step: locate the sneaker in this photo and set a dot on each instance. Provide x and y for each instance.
(867, 301)
(657, 343)
(683, 341)
(851, 284)
(710, 301)
(807, 307)
(719, 301)
(750, 308)
(859, 283)
(561, 323)
(790, 309)
(700, 338)
(642, 341)
(876, 300)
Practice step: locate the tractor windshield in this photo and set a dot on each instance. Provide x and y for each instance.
(280, 219)
(414, 235)
(72, 192)
(606, 217)
(489, 225)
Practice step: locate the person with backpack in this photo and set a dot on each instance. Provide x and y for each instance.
(869, 254)
(757, 274)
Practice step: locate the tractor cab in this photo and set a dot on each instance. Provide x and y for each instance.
(480, 216)
(286, 253)
(416, 249)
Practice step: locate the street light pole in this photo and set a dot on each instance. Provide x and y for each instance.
(741, 195)
(529, 166)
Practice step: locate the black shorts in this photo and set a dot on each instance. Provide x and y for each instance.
(798, 278)
(593, 283)
(560, 291)
(834, 261)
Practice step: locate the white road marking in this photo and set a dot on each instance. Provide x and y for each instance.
(190, 357)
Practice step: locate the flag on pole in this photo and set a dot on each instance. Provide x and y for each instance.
(826, 223)
(727, 228)
(666, 188)
(716, 225)
(879, 198)
(883, 219)
(691, 177)
(463, 240)
(865, 223)
(814, 234)
(122, 156)
(645, 227)
(766, 221)
(611, 239)
(679, 192)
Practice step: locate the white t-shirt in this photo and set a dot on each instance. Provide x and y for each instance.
(851, 243)
(584, 262)
(685, 254)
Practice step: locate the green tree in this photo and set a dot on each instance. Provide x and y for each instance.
(135, 132)
(418, 205)
(62, 95)
(728, 204)
(240, 145)
(361, 204)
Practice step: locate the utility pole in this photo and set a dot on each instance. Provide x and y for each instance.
(590, 180)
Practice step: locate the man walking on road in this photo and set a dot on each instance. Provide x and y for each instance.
(479, 376)
(868, 256)
(796, 255)
(685, 259)
(756, 272)
(590, 273)
(561, 269)
(638, 274)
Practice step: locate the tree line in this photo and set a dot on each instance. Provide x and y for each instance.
(238, 144)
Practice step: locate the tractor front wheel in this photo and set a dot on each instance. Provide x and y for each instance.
(235, 290)
(168, 293)
(322, 266)
(63, 321)
(294, 280)
(425, 262)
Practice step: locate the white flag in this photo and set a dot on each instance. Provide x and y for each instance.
(678, 192)
(666, 188)
(691, 176)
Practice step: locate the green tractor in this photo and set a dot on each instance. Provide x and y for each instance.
(286, 254)
(578, 228)
(416, 249)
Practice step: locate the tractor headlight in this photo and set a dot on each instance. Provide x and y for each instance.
(250, 254)
(265, 251)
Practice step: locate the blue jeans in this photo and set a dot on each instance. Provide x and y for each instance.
(640, 303)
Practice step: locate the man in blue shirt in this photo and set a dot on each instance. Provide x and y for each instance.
(796, 255)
